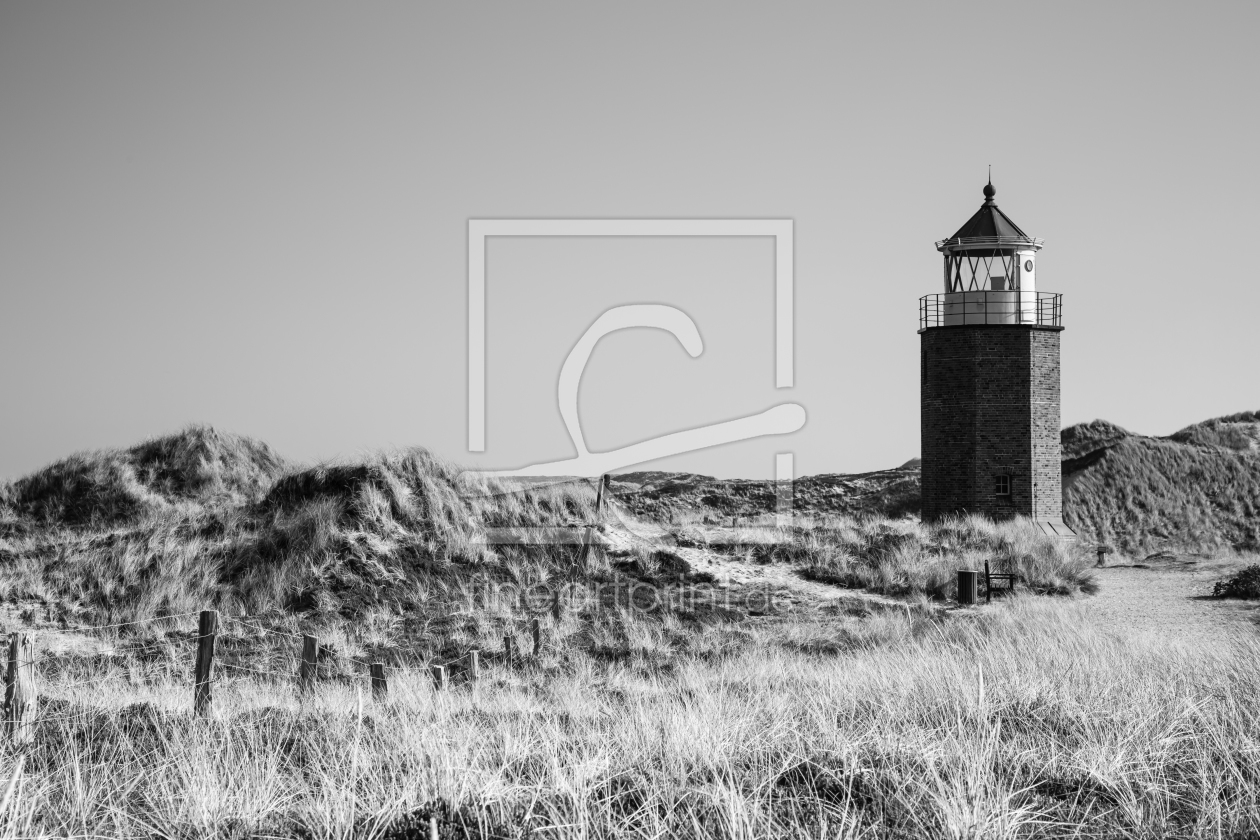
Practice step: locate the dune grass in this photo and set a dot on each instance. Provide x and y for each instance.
(639, 717)
(906, 557)
(198, 465)
(1196, 491)
(1027, 721)
(214, 520)
(388, 553)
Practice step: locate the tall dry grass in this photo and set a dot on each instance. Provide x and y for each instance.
(905, 556)
(1029, 721)
(1024, 720)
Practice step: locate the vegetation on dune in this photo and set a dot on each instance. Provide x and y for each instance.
(641, 716)
(907, 557)
(1084, 439)
(1244, 584)
(1026, 721)
(205, 519)
(197, 467)
(671, 496)
(383, 558)
(1240, 432)
(202, 519)
(1198, 490)
(386, 558)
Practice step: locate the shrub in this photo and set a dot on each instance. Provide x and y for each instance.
(1245, 584)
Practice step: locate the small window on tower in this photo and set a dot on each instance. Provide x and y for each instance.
(1003, 485)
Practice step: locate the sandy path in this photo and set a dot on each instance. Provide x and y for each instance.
(781, 584)
(1171, 600)
(1168, 598)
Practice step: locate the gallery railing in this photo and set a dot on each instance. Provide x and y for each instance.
(1043, 309)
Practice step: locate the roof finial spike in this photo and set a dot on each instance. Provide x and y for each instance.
(989, 192)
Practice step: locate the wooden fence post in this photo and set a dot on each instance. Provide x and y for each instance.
(599, 497)
(474, 664)
(508, 643)
(557, 606)
(439, 677)
(535, 629)
(380, 688)
(310, 660)
(20, 698)
(207, 629)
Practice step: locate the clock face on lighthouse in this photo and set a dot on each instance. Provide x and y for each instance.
(1028, 265)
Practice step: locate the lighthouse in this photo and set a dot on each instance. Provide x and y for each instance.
(989, 378)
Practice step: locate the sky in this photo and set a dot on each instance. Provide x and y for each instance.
(255, 216)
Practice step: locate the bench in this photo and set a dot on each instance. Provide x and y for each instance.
(990, 578)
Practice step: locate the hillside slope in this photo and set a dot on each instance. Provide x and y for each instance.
(666, 496)
(202, 517)
(198, 466)
(1197, 489)
(408, 544)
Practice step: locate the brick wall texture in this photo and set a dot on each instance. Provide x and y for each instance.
(990, 407)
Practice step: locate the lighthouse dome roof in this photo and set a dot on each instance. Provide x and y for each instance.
(988, 227)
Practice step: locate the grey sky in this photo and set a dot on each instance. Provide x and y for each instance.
(254, 215)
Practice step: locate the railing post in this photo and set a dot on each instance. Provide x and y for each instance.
(20, 698)
(207, 629)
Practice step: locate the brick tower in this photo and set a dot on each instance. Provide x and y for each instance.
(989, 369)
